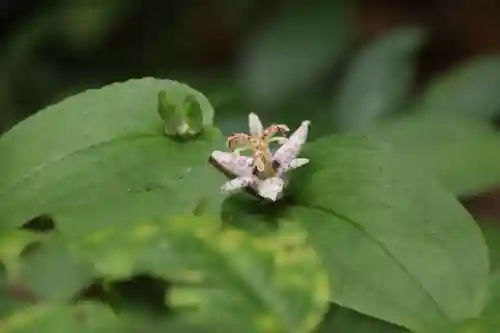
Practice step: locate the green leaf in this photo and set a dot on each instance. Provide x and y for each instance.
(488, 322)
(12, 296)
(50, 258)
(385, 231)
(461, 152)
(299, 45)
(379, 80)
(471, 90)
(187, 118)
(194, 114)
(101, 157)
(396, 245)
(490, 313)
(224, 278)
(44, 318)
(491, 232)
(342, 320)
(171, 115)
(160, 324)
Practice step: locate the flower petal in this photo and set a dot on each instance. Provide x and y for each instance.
(236, 184)
(270, 188)
(239, 166)
(255, 125)
(294, 164)
(288, 151)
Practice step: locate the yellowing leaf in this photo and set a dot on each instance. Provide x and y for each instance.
(222, 276)
(85, 317)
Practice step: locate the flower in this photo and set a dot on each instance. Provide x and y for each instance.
(258, 141)
(246, 174)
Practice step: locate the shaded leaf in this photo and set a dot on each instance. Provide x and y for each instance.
(462, 153)
(470, 90)
(194, 114)
(490, 312)
(297, 48)
(396, 245)
(341, 320)
(103, 151)
(491, 232)
(12, 244)
(44, 318)
(223, 278)
(160, 324)
(488, 322)
(170, 113)
(140, 305)
(10, 298)
(379, 80)
(50, 258)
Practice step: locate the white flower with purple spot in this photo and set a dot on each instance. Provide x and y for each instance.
(270, 182)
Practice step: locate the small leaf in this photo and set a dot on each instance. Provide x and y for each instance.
(194, 114)
(491, 232)
(296, 49)
(469, 90)
(224, 278)
(171, 115)
(379, 80)
(461, 152)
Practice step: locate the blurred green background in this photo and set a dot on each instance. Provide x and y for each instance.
(348, 66)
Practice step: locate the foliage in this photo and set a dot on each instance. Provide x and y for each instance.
(134, 206)
(111, 219)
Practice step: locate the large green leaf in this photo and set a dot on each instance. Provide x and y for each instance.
(379, 80)
(471, 89)
(396, 245)
(297, 48)
(461, 152)
(104, 151)
(227, 278)
(51, 318)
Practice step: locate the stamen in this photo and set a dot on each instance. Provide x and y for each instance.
(275, 128)
(237, 139)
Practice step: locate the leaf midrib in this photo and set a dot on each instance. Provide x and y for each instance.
(359, 227)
